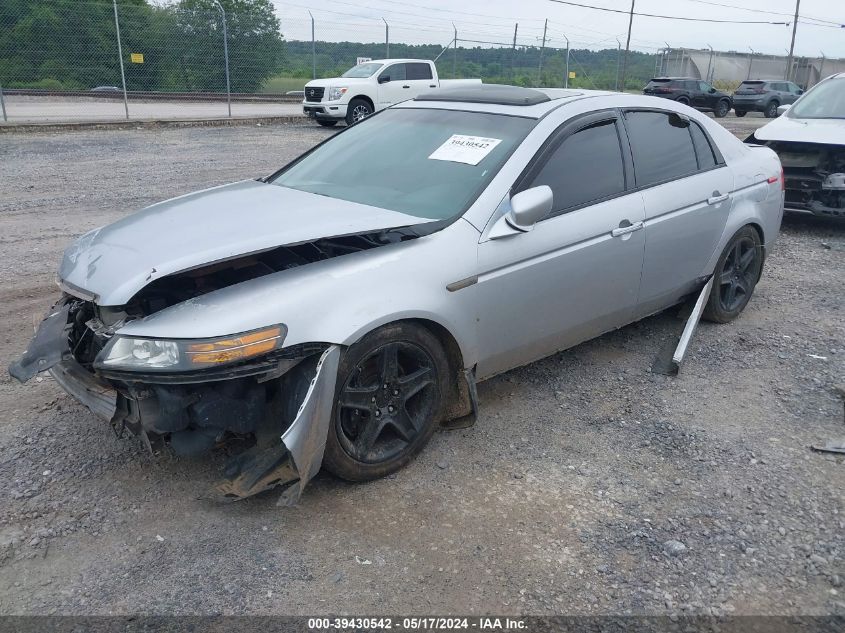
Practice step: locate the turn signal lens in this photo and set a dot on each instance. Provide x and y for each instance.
(233, 349)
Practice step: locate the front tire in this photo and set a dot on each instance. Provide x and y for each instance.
(722, 109)
(736, 275)
(358, 110)
(771, 110)
(325, 123)
(390, 399)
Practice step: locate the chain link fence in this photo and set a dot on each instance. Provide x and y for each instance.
(73, 60)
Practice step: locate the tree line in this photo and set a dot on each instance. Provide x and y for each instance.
(72, 45)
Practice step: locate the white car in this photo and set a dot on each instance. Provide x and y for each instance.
(809, 138)
(373, 86)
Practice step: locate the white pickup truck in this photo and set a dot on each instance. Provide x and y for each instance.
(370, 87)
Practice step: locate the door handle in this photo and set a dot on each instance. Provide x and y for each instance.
(716, 199)
(432, 86)
(406, 86)
(624, 230)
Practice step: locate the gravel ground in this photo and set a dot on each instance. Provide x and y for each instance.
(588, 486)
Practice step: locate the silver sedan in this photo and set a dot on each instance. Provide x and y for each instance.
(337, 311)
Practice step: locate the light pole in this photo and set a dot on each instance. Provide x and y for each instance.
(386, 39)
(120, 57)
(225, 56)
(618, 61)
(627, 45)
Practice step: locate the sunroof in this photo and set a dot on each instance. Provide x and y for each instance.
(488, 93)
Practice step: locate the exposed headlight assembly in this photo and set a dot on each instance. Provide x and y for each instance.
(336, 93)
(146, 354)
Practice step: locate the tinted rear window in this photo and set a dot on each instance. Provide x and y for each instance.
(661, 83)
(661, 151)
(706, 158)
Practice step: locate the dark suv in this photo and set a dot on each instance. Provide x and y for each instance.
(693, 92)
(757, 95)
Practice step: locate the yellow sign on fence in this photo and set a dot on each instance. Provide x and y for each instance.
(572, 74)
(136, 58)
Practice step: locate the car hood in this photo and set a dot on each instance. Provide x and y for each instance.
(336, 81)
(114, 262)
(784, 128)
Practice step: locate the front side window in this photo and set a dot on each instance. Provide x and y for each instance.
(586, 167)
(661, 146)
(395, 72)
(704, 87)
(397, 171)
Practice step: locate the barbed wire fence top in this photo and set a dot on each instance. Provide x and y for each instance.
(128, 58)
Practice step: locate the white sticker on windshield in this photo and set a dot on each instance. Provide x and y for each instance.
(461, 148)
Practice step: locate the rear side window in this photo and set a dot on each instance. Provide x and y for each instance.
(661, 150)
(586, 167)
(418, 71)
(706, 158)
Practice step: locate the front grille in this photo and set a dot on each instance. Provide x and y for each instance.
(314, 94)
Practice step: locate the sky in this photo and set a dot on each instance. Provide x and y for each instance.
(489, 21)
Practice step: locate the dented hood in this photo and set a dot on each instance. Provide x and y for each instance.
(114, 262)
(785, 128)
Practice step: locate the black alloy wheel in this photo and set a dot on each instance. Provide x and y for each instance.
(390, 400)
(736, 276)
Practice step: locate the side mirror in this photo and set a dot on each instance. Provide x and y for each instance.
(383, 79)
(800, 92)
(783, 108)
(712, 90)
(529, 207)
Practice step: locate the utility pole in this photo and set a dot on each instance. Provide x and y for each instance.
(226, 56)
(792, 43)
(386, 39)
(513, 50)
(750, 61)
(627, 45)
(120, 57)
(542, 48)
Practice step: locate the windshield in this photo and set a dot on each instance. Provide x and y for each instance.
(362, 71)
(825, 101)
(415, 161)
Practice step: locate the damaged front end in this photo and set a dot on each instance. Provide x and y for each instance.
(278, 402)
(814, 177)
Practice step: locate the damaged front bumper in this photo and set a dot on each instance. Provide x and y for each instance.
(283, 403)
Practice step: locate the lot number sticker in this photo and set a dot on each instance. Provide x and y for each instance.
(461, 148)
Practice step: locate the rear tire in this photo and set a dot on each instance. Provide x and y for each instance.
(771, 110)
(736, 275)
(740, 113)
(722, 109)
(683, 100)
(325, 123)
(390, 399)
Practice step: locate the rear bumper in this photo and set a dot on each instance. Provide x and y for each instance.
(750, 105)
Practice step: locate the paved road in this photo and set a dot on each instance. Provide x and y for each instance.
(78, 110)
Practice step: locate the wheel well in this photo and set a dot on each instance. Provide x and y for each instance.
(759, 230)
(364, 98)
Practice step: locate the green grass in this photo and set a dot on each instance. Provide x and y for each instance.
(279, 84)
